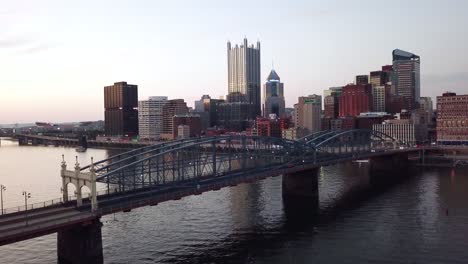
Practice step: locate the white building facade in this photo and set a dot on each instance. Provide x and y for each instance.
(150, 117)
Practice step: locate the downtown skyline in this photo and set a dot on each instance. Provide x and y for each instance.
(51, 74)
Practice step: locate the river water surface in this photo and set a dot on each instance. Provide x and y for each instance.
(420, 216)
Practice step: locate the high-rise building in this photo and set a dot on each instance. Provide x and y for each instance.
(426, 109)
(355, 99)
(388, 70)
(121, 114)
(170, 109)
(150, 117)
(331, 102)
(378, 98)
(452, 119)
(362, 79)
(235, 116)
(200, 105)
(244, 76)
(308, 113)
(210, 107)
(406, 77)
(273, 96)
(377, 78)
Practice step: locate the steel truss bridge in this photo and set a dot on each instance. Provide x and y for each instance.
(194, 160)
(172, 170)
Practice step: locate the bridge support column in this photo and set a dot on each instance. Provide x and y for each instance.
(301, 196)
(80, 244)
(386, 170)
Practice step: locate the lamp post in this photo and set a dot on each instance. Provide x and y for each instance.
(26, 195)
(2, 189)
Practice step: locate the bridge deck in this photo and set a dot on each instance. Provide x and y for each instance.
(39, 222)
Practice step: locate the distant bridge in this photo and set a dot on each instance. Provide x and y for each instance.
(29, 139)
(175, 169)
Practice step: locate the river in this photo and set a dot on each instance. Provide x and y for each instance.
(420, 217)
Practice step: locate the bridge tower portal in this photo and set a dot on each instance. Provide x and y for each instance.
(79, 179)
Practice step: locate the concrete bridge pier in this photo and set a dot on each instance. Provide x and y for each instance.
(300, 193)
(389, 163)
(22, 141)
(385, 170)
(81, 244)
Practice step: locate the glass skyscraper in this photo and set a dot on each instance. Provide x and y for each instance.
(273, 96)
(406, 77)
(244, 76)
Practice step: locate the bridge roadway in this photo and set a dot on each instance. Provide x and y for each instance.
(24, 225)
(24, 139)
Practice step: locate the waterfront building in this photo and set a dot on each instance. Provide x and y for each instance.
(150, 117)
(244, 76)
(170, 109)
(355, 99)
(273, 96)
(121, 109)
(367, 120)
(452, 119)
(404, 130)
(406, 77)
(294, 133)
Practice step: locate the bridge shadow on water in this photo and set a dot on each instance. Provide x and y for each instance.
(302, 217)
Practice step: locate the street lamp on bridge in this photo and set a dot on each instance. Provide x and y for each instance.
(2, 189)
(27, 196)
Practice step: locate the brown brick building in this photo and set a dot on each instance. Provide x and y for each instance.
(452, 119)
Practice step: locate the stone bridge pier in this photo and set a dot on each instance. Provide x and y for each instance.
(80, 244)
(388, 163)
(300, 193)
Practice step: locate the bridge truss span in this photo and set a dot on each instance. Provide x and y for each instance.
(189, 162)
(199, 159)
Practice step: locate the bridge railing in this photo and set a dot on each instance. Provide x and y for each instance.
(38, 205)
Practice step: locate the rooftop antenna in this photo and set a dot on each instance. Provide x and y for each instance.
(272, 65)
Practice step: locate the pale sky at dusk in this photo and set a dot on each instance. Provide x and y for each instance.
(56, 56)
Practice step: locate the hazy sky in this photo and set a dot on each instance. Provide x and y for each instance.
(56, 56)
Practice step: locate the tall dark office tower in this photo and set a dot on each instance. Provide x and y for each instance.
(244, 75)
(273, 96)
(406, 77)
(121, 114)
(362, 79)
(377, 78)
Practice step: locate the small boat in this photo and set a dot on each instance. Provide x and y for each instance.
(80, 149)
(361, 161)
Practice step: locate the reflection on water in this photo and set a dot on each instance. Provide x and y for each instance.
(394, 218)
